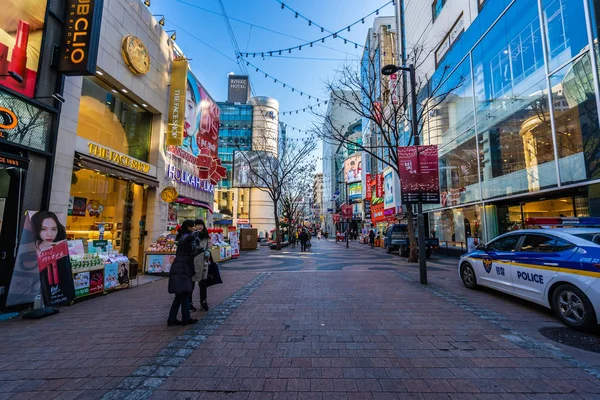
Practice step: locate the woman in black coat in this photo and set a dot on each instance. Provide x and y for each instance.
(180, 275)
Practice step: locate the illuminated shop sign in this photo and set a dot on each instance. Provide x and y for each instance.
(189, 179)
(8, 120)
(79, 49)
(116, 158)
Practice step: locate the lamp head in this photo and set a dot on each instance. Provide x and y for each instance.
(161, 21)
(15, 76)
(147, 3)
(389, 69)
(174, 36)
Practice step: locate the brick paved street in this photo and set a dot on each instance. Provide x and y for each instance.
(334, 323)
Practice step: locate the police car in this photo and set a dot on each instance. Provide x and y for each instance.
(558, 268)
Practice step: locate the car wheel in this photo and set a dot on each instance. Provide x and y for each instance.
(467, 274)
(573, 307)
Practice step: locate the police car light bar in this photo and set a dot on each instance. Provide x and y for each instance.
(563, 221)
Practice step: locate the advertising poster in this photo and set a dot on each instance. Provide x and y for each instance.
(388, 196)
(21, 30)
(377, 213)
(172, 217)
(155, 263)
(123, 274)
(55, 273)
(201, 125)
(375, 199)
(111, 279)
(355, 192)
(353, 169)
(43, 238)
(97, 281)
(379, 186)
(79, 206)
(235, 244)
(419, 174)
(82, 284)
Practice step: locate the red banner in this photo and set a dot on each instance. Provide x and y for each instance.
(346, 211)
(377, 213)
(377, 111)
(369, 188)
(336, 218)
(419, 174)
(379, 186)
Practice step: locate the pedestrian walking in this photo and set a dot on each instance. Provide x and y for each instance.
(180, 275)
(372, 238)
(293, 239)
(201, 263)
(303, 239)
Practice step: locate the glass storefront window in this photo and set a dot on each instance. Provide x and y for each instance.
(118, 204)
(566, 31)
(454, 227)
(576, 120)
(112, 120)
(513, 119)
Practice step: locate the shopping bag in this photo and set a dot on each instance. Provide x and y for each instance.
(214, 276)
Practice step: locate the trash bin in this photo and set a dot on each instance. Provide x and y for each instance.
(133, 268)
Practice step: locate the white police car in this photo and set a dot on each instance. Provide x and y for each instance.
(558, 268)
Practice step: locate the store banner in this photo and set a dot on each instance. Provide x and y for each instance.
(81, 35)
(346, 211)
(336, 218)
(367, 209)
(377, 211)
(177, 102)
(419, 174)
(369, 188)
(21, 31)
(379, 185)
(355, 192)
(42, 262)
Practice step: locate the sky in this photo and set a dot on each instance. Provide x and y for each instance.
(262, 26)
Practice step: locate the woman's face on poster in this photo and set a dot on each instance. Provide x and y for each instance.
(49, 230)
(190, 114)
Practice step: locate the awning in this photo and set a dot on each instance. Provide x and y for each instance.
(192, 202)
(114, 170)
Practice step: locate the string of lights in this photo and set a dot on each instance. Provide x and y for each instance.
(303, 109)
(332, 34)
(275, 80)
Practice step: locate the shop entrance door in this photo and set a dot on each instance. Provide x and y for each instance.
(11, 184)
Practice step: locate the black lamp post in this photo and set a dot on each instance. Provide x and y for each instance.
(389, 70)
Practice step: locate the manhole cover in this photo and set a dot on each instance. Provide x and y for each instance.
(570, 337)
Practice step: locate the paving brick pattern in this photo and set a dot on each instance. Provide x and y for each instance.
(334, 323)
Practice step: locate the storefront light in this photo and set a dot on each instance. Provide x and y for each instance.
(144, 105)
(124, 90)
(98, 72)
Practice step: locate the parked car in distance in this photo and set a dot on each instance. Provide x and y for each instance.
(396, 239)
(558, 268)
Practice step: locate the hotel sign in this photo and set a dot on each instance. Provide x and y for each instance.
(176, 113)
(81, 34)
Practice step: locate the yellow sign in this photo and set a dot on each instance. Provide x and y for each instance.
(169, 194)
(117, 158)
(176, 117)
(8, 119)
(136, 55)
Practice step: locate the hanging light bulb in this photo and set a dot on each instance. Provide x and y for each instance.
(256, 69)
(310, 44)
(282, 6)
(289, 50)
(348, 29)
(279, 52)
(323, 40)
(322, 29)
(299, 47)
(309, 22)
(363, 20)
(355, 46)
(376, 12)
(266, 75)
(345, 41)
(296, 15)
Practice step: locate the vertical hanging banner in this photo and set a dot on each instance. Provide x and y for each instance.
(379, 185)
(419, 174)
(177, 102)
(368, 188)
(81, 35)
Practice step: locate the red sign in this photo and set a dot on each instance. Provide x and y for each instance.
(379, 186)
(377, 213)
(369, 188)
(346, 211)
(419, 174)
(209, 123)
(377, 111)
(336, 218)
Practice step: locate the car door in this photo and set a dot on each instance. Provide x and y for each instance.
(536, 262)
(495, 264)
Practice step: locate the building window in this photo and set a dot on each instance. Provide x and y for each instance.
(436, 8)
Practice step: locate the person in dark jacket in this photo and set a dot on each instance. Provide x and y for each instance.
(303, 239)
(372, 238)
(180, 275)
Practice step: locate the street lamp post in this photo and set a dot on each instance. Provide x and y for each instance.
(388, 70)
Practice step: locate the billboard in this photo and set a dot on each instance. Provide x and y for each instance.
(249, 165)
(419, 174)
(375, 199)
(238, 89)
(21, 30)
(81, 34)
(355, 192)
(388, 192)
(353, 169)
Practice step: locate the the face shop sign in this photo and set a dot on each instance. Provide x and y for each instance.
(189, 179)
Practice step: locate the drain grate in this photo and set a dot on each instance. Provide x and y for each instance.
(570, 337)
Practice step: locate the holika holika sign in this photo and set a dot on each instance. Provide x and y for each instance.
(176, 113)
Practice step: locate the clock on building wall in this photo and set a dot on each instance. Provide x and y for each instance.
(136, 55)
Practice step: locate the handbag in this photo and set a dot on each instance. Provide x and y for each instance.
(214, 275)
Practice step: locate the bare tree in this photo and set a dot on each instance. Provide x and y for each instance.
(295, 193)
(364, 91)
(271, 168)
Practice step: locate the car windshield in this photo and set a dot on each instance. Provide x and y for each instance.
(593, 237)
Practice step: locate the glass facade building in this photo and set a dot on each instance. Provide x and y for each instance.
(517, 129)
